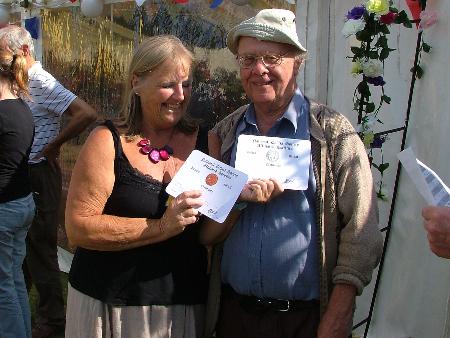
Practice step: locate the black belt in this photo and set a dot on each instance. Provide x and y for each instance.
(255, 304)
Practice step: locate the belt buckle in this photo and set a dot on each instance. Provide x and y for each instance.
(287, 307)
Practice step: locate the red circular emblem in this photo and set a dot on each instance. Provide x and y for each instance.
(211, 179)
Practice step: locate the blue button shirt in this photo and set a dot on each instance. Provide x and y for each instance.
(273, 250)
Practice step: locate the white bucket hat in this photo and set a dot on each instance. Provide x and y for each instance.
(277, 25)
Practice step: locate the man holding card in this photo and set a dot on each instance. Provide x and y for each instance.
(297, 248)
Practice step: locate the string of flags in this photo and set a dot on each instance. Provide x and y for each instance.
(216, 3)
(93, 8)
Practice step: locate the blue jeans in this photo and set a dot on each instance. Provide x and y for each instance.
(15, 219)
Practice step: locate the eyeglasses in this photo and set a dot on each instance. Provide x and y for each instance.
(269, 60)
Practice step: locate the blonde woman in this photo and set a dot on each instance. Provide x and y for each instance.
(139, 270)
(16, 201)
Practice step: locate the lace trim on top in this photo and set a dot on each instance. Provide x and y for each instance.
(138, 178)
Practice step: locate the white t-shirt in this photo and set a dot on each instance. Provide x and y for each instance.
(50, 101)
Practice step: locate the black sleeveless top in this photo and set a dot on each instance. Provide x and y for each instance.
(165, 273)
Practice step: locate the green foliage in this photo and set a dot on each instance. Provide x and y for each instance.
(426, 47)
(369, 57)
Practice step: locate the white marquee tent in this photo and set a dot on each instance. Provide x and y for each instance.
(412, 298)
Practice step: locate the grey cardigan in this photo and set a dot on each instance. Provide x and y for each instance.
(346, 204)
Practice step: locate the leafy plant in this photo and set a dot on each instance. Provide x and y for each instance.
(370, 24)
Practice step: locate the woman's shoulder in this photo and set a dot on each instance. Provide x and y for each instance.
(100, 138)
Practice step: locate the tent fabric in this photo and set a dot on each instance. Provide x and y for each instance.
(413, 297)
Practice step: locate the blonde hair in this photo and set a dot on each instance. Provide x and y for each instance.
(151, 53)
(13, 68)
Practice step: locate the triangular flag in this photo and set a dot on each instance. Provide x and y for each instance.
(32, 26)
(215, 4)
(415, 9)
(139, 2)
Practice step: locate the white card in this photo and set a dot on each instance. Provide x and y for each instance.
(220, 184)
(287, 160)
(427, 182)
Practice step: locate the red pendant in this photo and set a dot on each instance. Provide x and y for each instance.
(154, 154)
(143, 143)
(164, 154)
(146, 149)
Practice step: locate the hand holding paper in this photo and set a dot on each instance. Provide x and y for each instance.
(182, 211)
(437, 194)
(261, 190)
(219, 184)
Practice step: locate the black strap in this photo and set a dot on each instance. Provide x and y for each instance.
(117, 145)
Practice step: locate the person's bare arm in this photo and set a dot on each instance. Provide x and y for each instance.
(81, 116)
(337, 320)
(91, 185)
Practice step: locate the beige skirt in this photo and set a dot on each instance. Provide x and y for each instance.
(87, 317)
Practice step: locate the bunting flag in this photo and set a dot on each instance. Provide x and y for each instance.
(181, 1)
(415, 9)
(215, 4)
(32, 26)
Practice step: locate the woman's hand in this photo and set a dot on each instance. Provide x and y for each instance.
(261, 190)
(182, 211)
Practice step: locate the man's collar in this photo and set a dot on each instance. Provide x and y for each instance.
(34, 66)
(291, 113)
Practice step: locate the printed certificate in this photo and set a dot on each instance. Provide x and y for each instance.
(220, 184)
(284, 159)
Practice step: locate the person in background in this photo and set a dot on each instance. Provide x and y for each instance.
(49, 102)
(16, 201)
(139, 269)
(437, 224)
(291, 262)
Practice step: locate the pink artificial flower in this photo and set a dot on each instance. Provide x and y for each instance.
(388, 18)
(428, 18)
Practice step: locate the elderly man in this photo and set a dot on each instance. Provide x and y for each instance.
(50, 101)
(292, 261)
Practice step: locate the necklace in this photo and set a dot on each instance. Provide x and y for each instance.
(154, 154)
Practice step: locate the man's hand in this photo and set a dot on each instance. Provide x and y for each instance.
(337, 320)
(51, 153)
(261, 190)
(437, 224)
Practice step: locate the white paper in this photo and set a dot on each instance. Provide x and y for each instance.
(287, 160)
(220, 184)
(427, 182)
